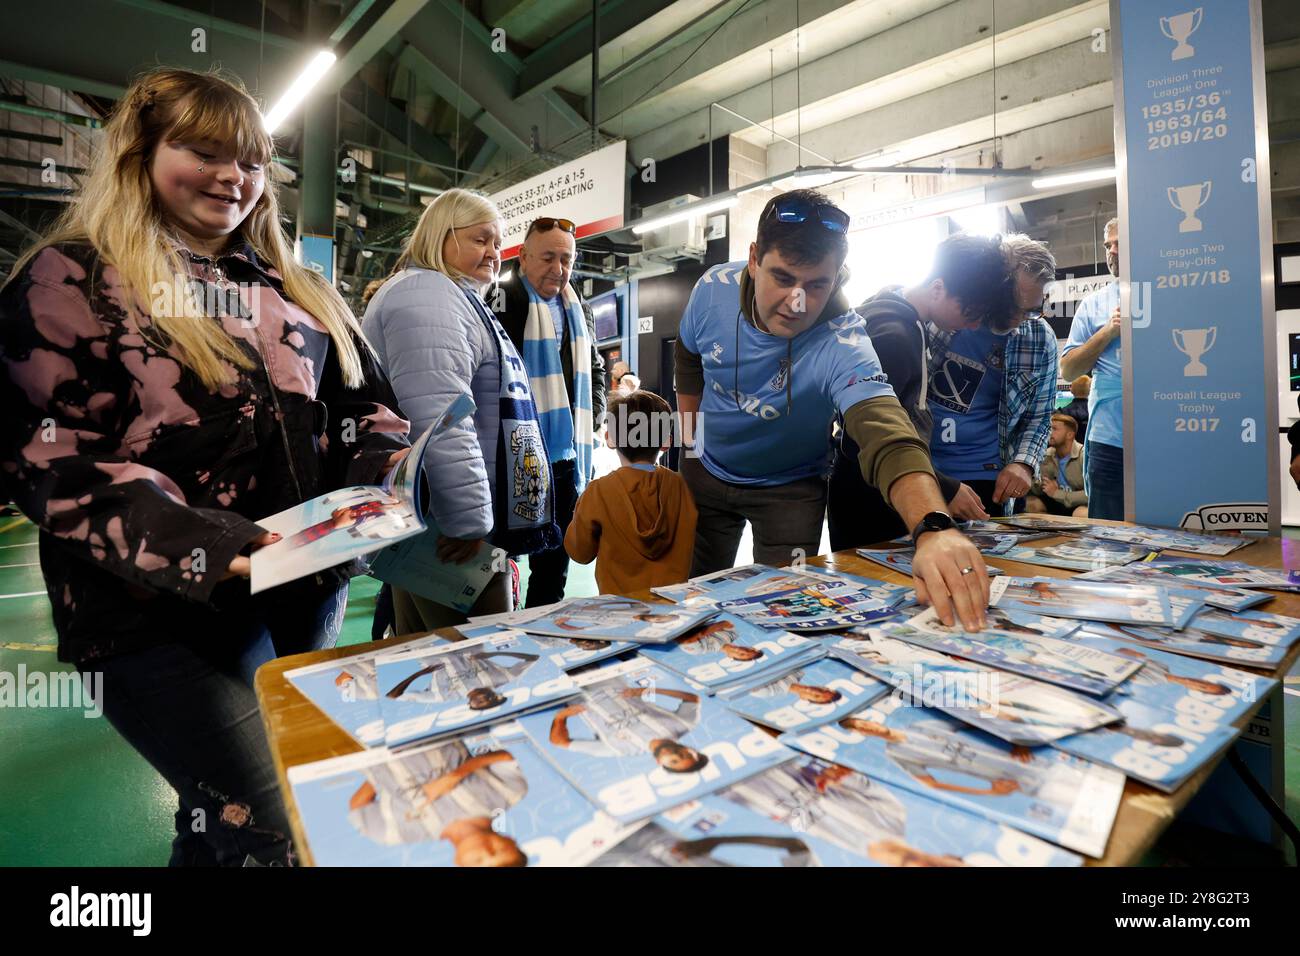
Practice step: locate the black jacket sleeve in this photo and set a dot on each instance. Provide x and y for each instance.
(901, 349)
(599, 382)
(688, 370)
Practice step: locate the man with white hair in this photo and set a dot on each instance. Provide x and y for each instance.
(993, 389)
(1094, 346)
(553, 329)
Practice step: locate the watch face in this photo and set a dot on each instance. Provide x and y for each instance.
(938, 522)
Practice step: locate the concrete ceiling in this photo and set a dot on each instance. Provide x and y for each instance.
(1023, 83)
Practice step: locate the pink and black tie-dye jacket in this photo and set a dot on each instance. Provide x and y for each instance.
(146, 484)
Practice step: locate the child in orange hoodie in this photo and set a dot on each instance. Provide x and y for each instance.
(637, 523)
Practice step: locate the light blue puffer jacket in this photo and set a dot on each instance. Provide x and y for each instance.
(434, 347)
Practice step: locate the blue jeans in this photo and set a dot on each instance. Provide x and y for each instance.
(1104, 481)
(188, 707)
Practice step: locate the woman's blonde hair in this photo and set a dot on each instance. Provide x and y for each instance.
(454, 209)
(118, 213)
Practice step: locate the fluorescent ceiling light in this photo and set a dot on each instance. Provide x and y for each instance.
(686, 212)
(887, 158)
(813, 178)
(403, 184)
(1069, 179)
(299, 89)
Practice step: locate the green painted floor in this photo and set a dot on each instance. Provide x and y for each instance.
(73, 793)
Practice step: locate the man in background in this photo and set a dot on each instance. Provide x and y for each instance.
(553, 329)
(1094, 346)
(1059, 489)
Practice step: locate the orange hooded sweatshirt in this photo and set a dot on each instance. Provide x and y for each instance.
(638, 525)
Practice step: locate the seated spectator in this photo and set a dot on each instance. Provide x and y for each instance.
(1081, 387)
(1059, 489)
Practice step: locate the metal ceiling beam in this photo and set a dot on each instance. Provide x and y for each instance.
(374, 36)
(375, 110)
(38, 47)
(572, 46)
(478, 81)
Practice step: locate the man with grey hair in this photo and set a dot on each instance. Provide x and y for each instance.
(1094, 346)
(552, 328)
(993, 389)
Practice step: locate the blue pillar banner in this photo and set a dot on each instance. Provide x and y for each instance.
(1200, 371)
(317, 254)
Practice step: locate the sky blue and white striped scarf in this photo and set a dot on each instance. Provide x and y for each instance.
(567, 428)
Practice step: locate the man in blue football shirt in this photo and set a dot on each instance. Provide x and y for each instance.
(1094, 345)
(771, 353)
(993, 389)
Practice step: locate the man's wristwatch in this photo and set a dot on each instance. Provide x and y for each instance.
(934, 521)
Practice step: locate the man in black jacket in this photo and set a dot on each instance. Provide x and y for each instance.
(545, 265)
(968, 282)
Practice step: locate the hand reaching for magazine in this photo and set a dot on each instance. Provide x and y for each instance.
(966, 505)
(949, 574)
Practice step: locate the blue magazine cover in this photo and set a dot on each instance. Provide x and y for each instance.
(976, 526)
(995, 543)
(1062, 662)
(1231, 574)
(638, 740)
(1021, 622)
(1214, 647)
(884, 824)
(893, 595)
(807, 696)
(485, 800)
(414, 565)
(1047, 523)
(744, 581)
(1041, 791)
(1158, 747)
(900, 559)
(1161, 539)
(1258, 626)
(1087, 600)
(1080, 554)
(1215, 595)
(345, 691)
(728, 649)
(1017, 709)
(428, 691)
(824, 605)
(713, 832)
(1204, 689)
(613, 618)
(568, 653)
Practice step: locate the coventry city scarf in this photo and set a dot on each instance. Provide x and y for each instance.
(523, 506)
(564, 425)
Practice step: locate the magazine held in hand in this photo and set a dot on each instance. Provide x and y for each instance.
(350, 523)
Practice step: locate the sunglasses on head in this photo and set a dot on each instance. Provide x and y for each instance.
(546, 224)
(798, 209)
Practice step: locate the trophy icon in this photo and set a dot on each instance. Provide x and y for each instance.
(1194, 343)
(1178, 29)
(1188, 199)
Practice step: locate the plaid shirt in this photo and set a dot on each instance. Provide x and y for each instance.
(1028, 391)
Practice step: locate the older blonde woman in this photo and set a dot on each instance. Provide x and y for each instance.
(433, 332)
